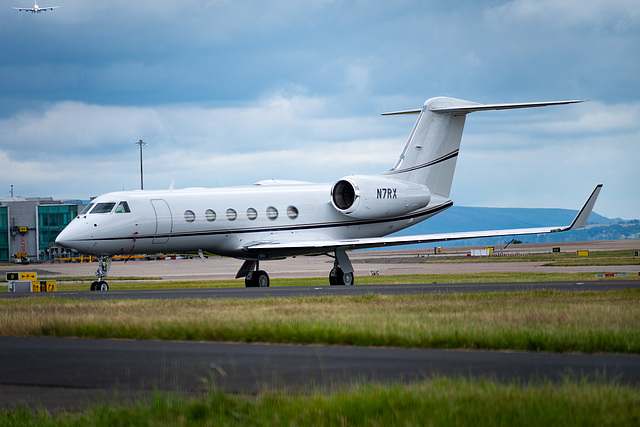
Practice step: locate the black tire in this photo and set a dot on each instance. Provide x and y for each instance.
(347, 279)
(94, 286)
(332, 276)
(261, 279)
(102, 286)
(339, 278)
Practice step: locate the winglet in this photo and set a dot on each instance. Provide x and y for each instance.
(581, 219)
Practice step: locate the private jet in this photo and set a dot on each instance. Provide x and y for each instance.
(35, 8)
(275, 219)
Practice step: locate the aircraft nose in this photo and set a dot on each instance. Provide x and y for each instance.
(61, 240)
(65, 239)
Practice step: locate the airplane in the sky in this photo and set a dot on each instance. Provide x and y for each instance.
(275, 219)
(36, 8)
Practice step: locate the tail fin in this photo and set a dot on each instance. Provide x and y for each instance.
(430, 155)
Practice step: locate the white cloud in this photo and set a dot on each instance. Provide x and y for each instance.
(69, 128)
(597, 117)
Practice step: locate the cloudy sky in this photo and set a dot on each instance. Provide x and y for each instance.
(229, 92)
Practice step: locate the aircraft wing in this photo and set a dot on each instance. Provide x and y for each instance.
(321, 246)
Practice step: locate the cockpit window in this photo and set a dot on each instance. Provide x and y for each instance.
(123, 207)
(86, 209)
(103, 208)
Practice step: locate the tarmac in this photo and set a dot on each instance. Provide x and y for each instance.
(383, 262)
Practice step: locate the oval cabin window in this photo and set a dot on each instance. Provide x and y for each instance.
(189, 216)
(272, 213)
(292, 212)
(231, 214)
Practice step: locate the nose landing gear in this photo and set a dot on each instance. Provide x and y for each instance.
(104, 264)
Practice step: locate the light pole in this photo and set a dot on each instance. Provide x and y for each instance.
(140, 143)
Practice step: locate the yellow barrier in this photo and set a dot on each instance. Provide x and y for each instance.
(43, 286)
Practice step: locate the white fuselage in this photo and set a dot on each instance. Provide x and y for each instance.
(224, 220)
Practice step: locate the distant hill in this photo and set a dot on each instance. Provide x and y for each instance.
(463, 218)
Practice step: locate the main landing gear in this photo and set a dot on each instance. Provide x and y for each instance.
(253, 276)
(104, 264)
(337, 277)
(341, 274)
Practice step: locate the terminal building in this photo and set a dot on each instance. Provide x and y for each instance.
(29, 227)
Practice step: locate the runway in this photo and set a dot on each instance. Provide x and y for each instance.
(311, 291)
(68, 373)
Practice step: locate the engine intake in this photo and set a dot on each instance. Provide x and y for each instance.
(344, 194)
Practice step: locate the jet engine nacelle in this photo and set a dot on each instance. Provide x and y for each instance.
(369, 197)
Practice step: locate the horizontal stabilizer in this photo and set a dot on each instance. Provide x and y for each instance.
(472, 107)
(396, 113)
(466, 107)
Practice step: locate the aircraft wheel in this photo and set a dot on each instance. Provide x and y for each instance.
(332, 276)
(347, 279)
(102, 286)
(339, 278)
(94, 286)
(261, 279)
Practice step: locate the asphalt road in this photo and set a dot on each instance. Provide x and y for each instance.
(68, 373)
(309, 291)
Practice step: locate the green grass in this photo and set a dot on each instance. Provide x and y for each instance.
(433, 402)
(550, 321)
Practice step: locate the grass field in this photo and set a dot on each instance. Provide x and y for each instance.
(434, 402)
(534, 321)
